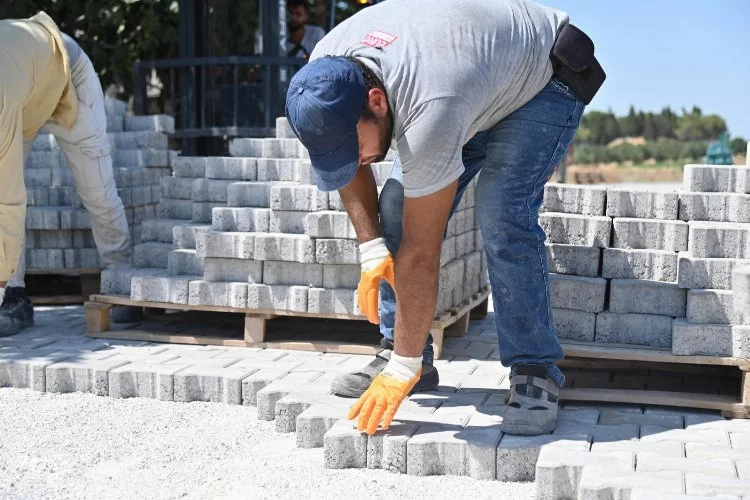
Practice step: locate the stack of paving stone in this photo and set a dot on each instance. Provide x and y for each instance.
(58, 231)
(651, 268)
(253, 231)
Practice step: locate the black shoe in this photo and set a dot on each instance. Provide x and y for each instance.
(16, 311)
(354, 384)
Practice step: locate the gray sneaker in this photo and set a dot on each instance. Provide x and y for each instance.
(16, 311)
(354, 384)
(532, 406)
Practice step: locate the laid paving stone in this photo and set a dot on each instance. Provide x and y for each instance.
(267, 397)
(517, 455)
(23, 369)
(671, 421)
(708, 484)
(710, 437)
(699, 450)
(665, 448)
(81, 375)
(314, 422)
(211, 383)
(649, 494)
(344, 446)
(656, 462)
(144, 380)
(291, 406)
(598, 482)
(599, 433)
(257, 381)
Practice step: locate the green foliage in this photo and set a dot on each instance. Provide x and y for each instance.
(739, 145)
(114, 33)
(659, 151)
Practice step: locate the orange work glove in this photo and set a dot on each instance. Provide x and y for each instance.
(377, 264)
(385, 394)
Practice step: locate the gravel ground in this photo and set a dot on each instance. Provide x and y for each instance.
(83, 446)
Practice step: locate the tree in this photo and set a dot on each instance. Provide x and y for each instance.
(739, 145)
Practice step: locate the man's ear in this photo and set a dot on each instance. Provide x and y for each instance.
(377, 102)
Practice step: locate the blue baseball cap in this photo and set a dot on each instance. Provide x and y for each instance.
(323, 104)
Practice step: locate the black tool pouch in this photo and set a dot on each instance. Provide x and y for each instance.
(573, 60)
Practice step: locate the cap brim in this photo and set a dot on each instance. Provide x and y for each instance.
(335, 170)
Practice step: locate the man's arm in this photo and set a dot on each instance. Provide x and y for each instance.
(360, 199)
(418, 268)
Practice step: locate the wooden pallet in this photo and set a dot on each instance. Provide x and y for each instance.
(256, 324)
(732, 397)
(61, 286)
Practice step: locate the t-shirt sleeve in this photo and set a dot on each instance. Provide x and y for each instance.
(430, 146)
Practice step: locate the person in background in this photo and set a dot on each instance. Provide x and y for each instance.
(301, 36)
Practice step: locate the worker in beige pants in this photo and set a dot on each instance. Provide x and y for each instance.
(87, 151)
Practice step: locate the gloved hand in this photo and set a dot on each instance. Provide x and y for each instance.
(377, 264)
(382, 399)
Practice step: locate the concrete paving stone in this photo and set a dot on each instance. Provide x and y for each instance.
(558, 470)
(600, 433)
(294, 404)
(46, 159)
(246, 147)
(287, 298)
(572, 259)
(709, 437)
(283, 130)
(665, 448)
(640, 204)
(341, 275)
(338, 301)
(185, 235)
(214, 384)
(175, 209)
(43, 218)
(447, 250)
(211, 190)
(144, 380)
(720, 207)
(335, 202)
(205, 293)
(517, 455)
(159, 230)
(388, 449)
(330, 224)
(257, 381)
(710, 306)
(581, 415)
(228, 168)
(656, 265)
(41, 177)
(464, 244)
(567, 198)
(287, 222)
(704, 420)
(203, 211)
(139, 140)
(184, 262)
(574, 325)
(235, 270)
(276, 169)
(178, 188)
(666, 420)
(231, 245)
(25, 369)
(44, 142)
(240, 219)
(298, 198)
(45, 259)
(698, 450)
(743, 469)
(707, 273)
(572, 229)
(267, 397)
(716, 178)
(729, 240)
(249, 194)
(648, 494)
(117, 281)
(740, 440)
(690, 339)
(577, 293)
(292, 273)
(314, 422)
(81, 375)
(464, 366)
(646, 297)
(344, 446)
(193, 167)
(634, 329)
(284, 247)
(152, 123)
(656, 462)
(741, 287)
(697, 483)
(155, 288)
(598, 482)
(336, 251)
(50, 239)
(650, 234)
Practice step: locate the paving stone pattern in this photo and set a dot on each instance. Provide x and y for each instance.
(595, 451)
(653, 268)
(252, 230)
(58, 230)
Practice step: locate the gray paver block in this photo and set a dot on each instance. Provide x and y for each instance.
(708, 484)
(729, 240)
(517, 455)
(155, 288)
(26, 370)
(246, 220)
(249, 194)
(642, 204)
(153, 123)
(236, 270)
(707, 273)
(558, 470)
(655, 462)
(159, 230)
(741, 288)
(287, 298)
(618, 416)
(647, 297)
(287, 222)
(650, 234)
(117, 281)
(578, 293)
(656, 265)
(573, 259)
(267, 397)
(228, 168)
(284, 247)
(175, 209)
(294, 404)
(598, 482)
(203, 211)
(336, 251)
(710, 306)
(210, 190)
(330, 224)
(716, 178)
(81, 375)
(574, 325)
(572, 229)
(283, 130)
(257, 381)
(298, 198)
(185, 235)
(232, 245)
(720, 207)
(344, 446)
(276, 169)
(314, 422)
(666, 448)
(339, 301)
(152, 254)
(714, 437)
(341, 276)
(184, 262)
(292, 273)
(573, 199)
(710, 340)
(144, 380)
(638, 329)
(211, 383)
(178, 188)
(205, 293)
(44, 218)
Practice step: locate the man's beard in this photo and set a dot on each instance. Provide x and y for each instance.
(385, 126)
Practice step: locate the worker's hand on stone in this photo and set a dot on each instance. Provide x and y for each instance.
(386, 392)
(377, 264)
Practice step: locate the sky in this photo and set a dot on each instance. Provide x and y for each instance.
(676, 53)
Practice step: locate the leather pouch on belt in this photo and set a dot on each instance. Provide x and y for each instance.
(573, 60)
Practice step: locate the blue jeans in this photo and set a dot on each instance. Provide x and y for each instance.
(514, 160)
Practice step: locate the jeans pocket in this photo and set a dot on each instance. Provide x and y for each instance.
(562, 86)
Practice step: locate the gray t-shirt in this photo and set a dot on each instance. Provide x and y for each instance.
(72, 48)
(451, 69)
(313, 35)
